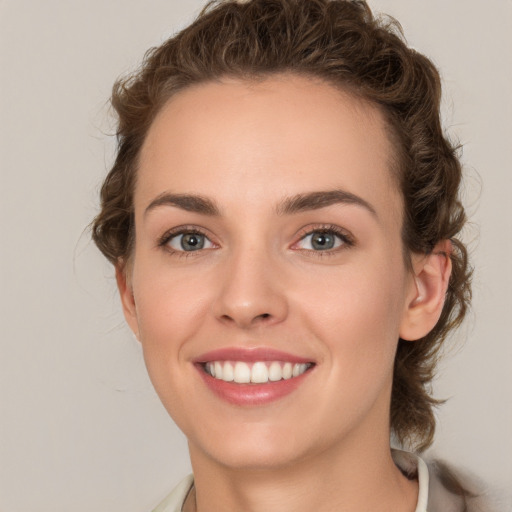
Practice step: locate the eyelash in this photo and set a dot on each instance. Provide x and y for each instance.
(181, 230)
(346, 239)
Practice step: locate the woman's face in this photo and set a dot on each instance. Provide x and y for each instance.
(268, 250)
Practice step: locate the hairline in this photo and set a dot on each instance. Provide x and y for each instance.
(341, 85)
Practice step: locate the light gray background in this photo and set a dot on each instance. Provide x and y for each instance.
(80, 426)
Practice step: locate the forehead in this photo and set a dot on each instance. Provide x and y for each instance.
(286, 134)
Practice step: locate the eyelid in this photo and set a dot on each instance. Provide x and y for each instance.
(184, 230)
(345, 236)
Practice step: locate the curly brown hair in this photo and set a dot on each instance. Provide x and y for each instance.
(344, 44)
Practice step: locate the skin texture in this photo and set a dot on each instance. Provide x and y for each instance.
(260, 283)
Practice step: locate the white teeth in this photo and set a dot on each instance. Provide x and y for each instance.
(287, 371)
(274, 372)
(217, 370)
(259, 372)
(227, 372)
(210, 368)
(242, 373)
(299, 369)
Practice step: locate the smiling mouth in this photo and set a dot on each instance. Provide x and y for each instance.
(258, 372)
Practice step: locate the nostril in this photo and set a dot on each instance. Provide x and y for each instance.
(253, 320)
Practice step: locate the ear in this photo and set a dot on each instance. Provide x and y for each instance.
(124, 286)
(426, 299)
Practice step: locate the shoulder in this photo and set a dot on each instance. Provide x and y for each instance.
(454, 490)
(443, 488)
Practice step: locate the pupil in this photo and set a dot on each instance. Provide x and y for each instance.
(322, 241)
(192, 242)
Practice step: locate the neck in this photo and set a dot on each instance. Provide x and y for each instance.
(352, 479)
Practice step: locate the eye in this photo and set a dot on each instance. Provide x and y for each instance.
(188, 241)
(323, 240)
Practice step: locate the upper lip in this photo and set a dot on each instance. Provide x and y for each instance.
(249, 355)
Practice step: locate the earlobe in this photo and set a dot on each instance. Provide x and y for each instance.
(127, 298)
(428, 290)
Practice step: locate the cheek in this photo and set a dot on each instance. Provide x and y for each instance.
(357, 311)
(171, 312)
(357, 317)
(171, 308)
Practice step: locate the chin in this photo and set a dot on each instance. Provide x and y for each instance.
(251, 449)
(255, 458)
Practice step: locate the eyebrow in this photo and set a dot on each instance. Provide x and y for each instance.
(187, 202)
(322, 199)
(288, 206)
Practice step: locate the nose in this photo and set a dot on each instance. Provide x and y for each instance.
(251, 292)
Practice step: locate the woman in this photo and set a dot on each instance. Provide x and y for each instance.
(283, 216)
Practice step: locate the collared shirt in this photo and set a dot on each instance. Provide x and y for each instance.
(410, 464)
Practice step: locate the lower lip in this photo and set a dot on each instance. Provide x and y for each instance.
(252, 394)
